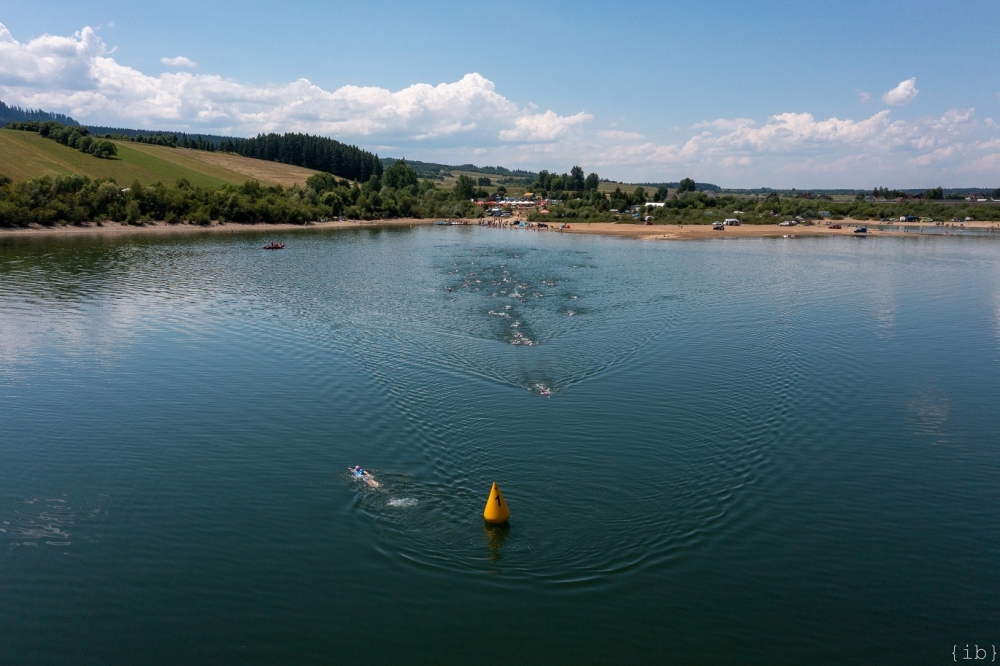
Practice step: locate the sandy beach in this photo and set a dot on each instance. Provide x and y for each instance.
(637, 231)
(704, 231)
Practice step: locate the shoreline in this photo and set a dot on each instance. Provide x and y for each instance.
(683, 232)
(116, 229)
(656, 232)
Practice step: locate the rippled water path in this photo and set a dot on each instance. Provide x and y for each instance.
(763, 451)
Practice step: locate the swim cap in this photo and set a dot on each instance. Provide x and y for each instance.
(357, 468)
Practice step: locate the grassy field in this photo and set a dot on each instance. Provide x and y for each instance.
(25, 155)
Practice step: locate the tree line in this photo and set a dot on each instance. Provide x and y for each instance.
(77, 200)
(73, 136)
(933, 194)
(15, 114)
(440, 171)
(699, 207)
(312, 152)
(197, 142)
(213, 139)
(552, 184)
(685, 185)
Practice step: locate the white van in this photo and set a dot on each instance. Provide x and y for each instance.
(732, 222)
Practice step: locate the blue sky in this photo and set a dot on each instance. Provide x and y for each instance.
(743, 94)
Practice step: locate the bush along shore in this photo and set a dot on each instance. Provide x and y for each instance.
(704, 208)
(76, 199)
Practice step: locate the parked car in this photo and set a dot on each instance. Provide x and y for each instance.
(834, 226)
(861, 230)
(718, 226)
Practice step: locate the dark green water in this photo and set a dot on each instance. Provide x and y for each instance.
(777, 451)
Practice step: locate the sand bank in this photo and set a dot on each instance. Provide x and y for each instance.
(703, 231)
(638, 231)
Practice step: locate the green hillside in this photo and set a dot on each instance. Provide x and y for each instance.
(25, 155)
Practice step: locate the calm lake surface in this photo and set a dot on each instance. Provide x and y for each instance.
(777, 451)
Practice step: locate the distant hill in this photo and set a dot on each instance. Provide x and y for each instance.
(213, 139)
(441, 171)
(25, 155)
(318, 153)
(15, 114)
(700, 187)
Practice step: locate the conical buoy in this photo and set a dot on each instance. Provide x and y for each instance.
(496, 511)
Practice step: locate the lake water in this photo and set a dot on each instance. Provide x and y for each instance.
(777, 451)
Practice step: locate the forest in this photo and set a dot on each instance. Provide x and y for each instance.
(15, 114)
(311, 152)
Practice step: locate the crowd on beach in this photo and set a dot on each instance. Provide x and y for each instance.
(517, 223)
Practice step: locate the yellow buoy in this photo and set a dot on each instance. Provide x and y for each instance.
(496, 511)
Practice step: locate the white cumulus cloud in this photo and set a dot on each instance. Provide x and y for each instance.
(179, 61)
(543, 126)
(797, 149)
(77, 75)
(904, 93)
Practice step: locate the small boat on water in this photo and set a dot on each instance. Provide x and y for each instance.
(861, 230)
(445, 223)
(274, 246)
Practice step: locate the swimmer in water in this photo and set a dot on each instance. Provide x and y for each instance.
(364, 476)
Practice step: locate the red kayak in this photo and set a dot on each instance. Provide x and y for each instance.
(274, 246)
